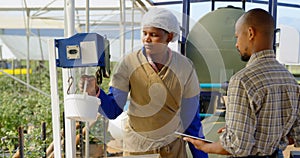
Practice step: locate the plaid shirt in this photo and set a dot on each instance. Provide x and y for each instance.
(263, 108)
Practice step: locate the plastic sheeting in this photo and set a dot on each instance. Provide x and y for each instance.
(15, 47)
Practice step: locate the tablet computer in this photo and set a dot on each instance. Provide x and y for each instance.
(186, 135)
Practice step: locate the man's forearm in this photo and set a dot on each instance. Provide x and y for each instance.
(214, 148)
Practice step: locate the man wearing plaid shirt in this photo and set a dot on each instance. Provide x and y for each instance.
(262, 112)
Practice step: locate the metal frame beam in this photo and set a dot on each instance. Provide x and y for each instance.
(252, 1)
(62, 8)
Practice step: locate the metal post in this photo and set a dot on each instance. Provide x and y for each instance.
(81, 143)
(87, 16)
(28, 48)
(21, 142)
(122, 27)
(273, 12)
(44, 138)
(54, 99)
(244, 4)
(104, 136)
(185, 23)
(132, 25)
(1, 57)
(87, 125)
(70, 128)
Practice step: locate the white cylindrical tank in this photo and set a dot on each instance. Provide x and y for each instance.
(211, 45)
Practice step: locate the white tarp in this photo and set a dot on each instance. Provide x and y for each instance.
(15, 47)
(6, 53)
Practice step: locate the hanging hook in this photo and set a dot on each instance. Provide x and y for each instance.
(70, 81)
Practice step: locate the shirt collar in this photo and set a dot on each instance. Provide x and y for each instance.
(259, 55)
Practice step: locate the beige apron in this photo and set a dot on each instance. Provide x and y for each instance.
(154, 110)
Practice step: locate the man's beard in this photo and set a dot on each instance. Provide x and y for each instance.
(245, 57)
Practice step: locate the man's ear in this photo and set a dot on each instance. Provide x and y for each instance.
(251, 33)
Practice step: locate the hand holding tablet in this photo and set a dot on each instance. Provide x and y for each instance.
(185, 135)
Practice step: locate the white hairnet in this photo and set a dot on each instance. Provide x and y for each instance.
(163, 19)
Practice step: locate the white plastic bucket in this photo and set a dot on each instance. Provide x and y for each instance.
(81, 107)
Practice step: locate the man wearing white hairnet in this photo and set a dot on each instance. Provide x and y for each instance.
(163, 88)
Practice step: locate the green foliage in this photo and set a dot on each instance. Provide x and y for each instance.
(24, 107)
